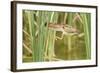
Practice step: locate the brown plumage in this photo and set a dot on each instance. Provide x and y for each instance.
(65, 28)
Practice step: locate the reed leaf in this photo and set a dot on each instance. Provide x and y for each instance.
(86, 23)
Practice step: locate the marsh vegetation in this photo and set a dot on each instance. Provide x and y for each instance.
(41, 44)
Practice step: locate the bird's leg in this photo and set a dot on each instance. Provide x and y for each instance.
(60, 38)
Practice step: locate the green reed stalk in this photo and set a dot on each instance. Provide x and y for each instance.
(31, 31)
(41, 36)
(70, 18)
(51, 37)
(87, 36)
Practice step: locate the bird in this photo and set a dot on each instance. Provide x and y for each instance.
(64, 28)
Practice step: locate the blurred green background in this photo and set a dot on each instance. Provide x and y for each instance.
(40, 44)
